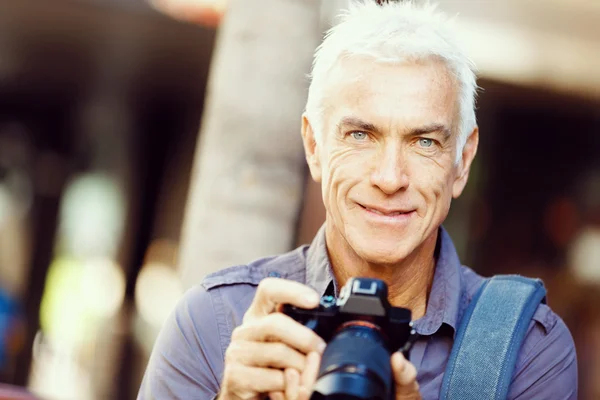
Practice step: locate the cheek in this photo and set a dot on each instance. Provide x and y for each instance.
(344, 169)
(443, 195)
(436, 192)
(435, 183)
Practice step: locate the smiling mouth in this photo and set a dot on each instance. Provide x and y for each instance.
(385, 213)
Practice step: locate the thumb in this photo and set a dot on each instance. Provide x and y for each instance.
(405, 377)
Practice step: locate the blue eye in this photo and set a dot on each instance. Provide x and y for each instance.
(358, 135)
(424, 142)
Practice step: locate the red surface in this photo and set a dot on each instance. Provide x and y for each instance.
(196, 14)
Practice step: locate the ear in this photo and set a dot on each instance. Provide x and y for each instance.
(311, 149)
(464, 167)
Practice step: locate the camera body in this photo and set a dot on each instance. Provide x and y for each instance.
(362, 301)
(361, 330)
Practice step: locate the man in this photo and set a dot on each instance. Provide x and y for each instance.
(389, 131)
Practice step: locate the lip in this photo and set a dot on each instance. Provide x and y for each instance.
(386, 212)
(388, 217)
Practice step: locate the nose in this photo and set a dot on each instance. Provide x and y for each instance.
(390, 174)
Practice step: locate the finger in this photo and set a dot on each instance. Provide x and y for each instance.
(261, 354)
(277, 396)
(245, 381)
(304, 393)
(292, 383)
(274, 291)
(311, 370)
(405, 376)
(278, 327)
(404, 372)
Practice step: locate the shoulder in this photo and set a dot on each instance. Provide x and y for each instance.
(204, 317)
(544, 318)
(290, 265)
(222, 298)
(223, 295)
(547, 359)
(547, 363)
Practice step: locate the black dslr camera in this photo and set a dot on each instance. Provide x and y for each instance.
(362, 330)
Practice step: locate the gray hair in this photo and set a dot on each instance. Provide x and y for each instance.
(394, 32)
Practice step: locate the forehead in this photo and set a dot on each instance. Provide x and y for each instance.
(405, 94)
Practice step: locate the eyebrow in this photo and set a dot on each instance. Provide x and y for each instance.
(357, 123)
(423, 130)
(446, 132)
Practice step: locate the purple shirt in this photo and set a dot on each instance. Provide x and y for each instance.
(187, 359)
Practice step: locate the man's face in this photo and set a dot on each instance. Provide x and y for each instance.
(386, 160)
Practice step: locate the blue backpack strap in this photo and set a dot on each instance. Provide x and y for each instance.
(489, 338)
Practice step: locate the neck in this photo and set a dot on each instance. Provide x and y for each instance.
(409, 281)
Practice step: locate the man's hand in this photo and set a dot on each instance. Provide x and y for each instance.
(299, 387)
(268, 351)
(405, 377)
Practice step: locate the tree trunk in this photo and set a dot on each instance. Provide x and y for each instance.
(249, 168)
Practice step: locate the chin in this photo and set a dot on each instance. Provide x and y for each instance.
(382, 251)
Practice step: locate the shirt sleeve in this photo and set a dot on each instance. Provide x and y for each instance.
(548, 367)
(186, 359)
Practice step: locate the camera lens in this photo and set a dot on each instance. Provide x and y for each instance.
(355, 365)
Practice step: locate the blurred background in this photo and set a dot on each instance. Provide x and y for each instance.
(146, 144)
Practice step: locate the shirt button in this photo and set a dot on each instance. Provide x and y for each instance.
(274, 274)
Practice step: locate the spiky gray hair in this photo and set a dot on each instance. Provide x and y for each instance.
(394, 32)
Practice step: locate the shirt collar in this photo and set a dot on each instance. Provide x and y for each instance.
(318, 268)
(444, 299)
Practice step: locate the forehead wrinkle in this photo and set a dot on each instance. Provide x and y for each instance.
(350, 76)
